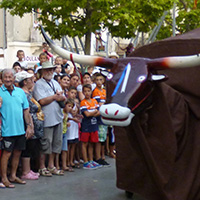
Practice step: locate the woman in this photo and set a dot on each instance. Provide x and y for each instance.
(26, 82)
(65, 83)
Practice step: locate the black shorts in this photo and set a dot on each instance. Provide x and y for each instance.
(74, 141)
(14, 142)
(33, 146)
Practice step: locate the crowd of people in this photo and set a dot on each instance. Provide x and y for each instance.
(50, 120)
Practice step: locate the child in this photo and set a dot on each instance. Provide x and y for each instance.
(68, 108)
(73, 133)
(17, 67)
(58, 70)
(100, 95)
(42, 58)
(89, 127)
(46, 50)
(59, 60)
(21, 56)
(87, 79)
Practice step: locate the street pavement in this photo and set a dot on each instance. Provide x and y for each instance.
(81, 184)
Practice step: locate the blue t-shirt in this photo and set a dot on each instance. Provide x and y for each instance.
(89, 124)
(12, 111)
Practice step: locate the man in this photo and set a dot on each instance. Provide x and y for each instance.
(14, 110)
(49, 93)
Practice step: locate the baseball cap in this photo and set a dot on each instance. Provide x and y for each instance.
(20, 76)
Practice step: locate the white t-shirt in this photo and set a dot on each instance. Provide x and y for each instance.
(73, 130)
(53, 114)
(23, 64)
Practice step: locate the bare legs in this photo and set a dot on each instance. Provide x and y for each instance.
(14, 163)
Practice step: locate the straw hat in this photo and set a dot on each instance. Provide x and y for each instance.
(47, 65)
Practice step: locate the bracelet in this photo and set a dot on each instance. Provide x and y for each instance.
(28, 124)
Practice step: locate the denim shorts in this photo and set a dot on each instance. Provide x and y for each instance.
(64, 142)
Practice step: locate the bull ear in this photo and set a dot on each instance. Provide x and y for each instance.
(159, 78)
(81, 59)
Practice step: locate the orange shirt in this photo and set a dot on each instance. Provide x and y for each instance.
(99, 95)
(89, 124)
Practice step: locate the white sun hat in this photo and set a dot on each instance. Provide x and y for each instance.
(20, 76)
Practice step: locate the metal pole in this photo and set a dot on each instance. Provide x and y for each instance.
(107, 34)
(135, 42)
(67, 41)
(174, 20)
(81, 42)
(159, 26)
(75, 44)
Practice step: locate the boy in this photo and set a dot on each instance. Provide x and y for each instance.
(87, 79)
(42, 58)
(100, 95)
(21, 56)
(89, 127)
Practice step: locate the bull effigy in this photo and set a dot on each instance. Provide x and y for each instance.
(157, 123)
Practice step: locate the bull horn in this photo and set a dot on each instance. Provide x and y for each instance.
(175, 62)
(81, 59)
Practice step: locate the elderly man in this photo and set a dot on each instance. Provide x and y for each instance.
(14, 110)
(49, 94)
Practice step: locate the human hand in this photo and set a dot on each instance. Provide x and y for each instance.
(59, 96)
(29, 132)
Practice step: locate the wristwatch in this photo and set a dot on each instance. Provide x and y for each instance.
(28, 124)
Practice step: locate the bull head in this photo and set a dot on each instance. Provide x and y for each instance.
(130, 82)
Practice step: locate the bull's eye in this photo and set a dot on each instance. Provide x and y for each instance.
(141, 78)
(109, 76)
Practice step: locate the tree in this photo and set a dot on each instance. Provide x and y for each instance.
(188, 18)
(78, 18)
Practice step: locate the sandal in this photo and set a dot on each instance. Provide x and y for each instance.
(65, 168)
(2, 186)
(18, 181)
(71, 169)
(55, 171)
(7, 184)
(45, 172)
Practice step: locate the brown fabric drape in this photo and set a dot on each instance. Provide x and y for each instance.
(158, 155)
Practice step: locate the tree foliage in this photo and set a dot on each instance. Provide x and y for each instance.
(122, 17)
(187, 18)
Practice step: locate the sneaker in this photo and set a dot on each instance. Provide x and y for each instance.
(81, 161)
(95, 164)
(88, 165)
(103, 163)
(29, 176)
